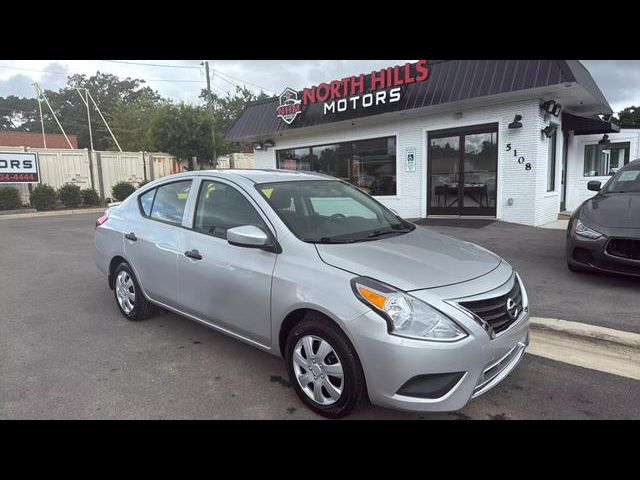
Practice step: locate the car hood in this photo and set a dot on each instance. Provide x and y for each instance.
(614, 210)
(416, 260)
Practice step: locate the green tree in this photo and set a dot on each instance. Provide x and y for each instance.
(628, 116)
(117, 99)
(182, 130)
(127, 104)
(227, 109)
(19, 114)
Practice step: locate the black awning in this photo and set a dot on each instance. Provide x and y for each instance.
(587, 125)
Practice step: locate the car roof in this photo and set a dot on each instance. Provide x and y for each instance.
(260, 175)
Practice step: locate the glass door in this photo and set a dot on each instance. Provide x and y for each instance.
(444, 175)
(462, 171)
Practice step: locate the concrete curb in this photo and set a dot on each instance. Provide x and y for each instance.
(587, 332)
(53, 213)
(20, 210)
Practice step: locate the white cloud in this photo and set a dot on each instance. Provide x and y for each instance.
(619, 80)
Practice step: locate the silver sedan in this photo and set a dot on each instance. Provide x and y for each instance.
(361, 303)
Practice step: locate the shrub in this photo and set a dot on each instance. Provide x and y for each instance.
(9, 198)
(122, 190)
(43, 197)
(90, 197)
(69, 195)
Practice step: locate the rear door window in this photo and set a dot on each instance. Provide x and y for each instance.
(146, 201)
(170, 201)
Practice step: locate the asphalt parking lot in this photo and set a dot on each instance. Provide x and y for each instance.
(66, 352)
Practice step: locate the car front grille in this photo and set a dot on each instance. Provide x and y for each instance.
(494, 310)
(624, 248)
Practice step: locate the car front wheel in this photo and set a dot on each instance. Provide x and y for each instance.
(324, 368)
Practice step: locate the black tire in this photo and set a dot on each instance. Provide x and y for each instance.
(142, 307)
(354, 388)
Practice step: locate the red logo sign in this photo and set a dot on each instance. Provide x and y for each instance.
(290, 106)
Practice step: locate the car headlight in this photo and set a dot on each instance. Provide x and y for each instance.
(406, 316)
(584, 231)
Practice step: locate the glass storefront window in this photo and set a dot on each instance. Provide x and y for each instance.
(602, 160)
(368, 164)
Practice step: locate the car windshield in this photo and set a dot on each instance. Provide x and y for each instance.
(331, 211)
(626, 180)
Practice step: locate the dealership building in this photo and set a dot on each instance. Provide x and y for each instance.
(515, 140)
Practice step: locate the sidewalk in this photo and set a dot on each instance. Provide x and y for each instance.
(51, 213)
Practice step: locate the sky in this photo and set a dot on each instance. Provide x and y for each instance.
(619, 80)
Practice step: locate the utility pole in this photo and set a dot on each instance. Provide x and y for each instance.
(44, 137)
(86, 102)
(210, 105)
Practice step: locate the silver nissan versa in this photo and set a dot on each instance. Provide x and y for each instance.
(359, 302)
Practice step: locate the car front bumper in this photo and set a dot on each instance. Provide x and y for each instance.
(591, 254)
(476, 363)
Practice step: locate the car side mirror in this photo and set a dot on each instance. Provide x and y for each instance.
(594, 185)
(248, 236)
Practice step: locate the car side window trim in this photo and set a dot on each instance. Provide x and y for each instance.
(149, 217)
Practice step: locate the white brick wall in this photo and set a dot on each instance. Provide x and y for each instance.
(532, 204)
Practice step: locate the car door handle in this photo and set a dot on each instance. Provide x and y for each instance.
(195, 254)
(131, 236)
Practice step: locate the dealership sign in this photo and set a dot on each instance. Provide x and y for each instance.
(290, 106)
(19, 167)
(353, 93)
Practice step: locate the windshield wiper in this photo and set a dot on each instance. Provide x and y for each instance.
(386, 231)
(326, 240)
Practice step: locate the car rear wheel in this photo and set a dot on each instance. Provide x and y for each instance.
(129, 297)
(323, 367)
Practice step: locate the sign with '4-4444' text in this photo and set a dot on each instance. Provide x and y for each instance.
(19, 167)
(359, 92)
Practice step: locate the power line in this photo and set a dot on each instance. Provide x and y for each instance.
(192, 67)
(243, 81)
(61, 73)
(32, 70)
(151, 64)
(221, 74)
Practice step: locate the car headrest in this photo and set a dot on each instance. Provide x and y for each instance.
(281, 197)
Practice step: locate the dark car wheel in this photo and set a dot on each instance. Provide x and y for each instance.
(129, 297)
(323, 367)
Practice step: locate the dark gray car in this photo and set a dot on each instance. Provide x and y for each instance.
(604, 232)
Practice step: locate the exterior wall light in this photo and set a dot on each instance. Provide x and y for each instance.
(604, 140)
(516, 122)
(257, 146)
(268, 144)
(549, 130)
(552, 107)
